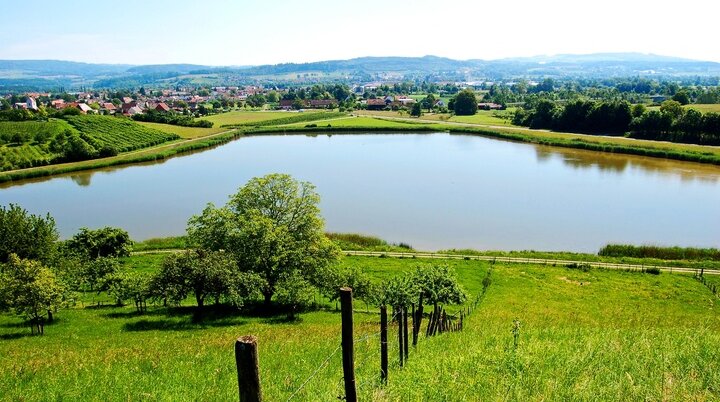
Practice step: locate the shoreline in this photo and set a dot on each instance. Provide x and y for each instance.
(646, 148)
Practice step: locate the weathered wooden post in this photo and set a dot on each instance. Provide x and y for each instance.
(405, 331)
(383, 345)
(246, 360)
(348, 353)
(418, 316)
(400, 334)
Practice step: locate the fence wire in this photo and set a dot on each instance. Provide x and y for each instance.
(320, 367)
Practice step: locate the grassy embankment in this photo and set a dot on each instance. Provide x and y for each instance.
(596, 335)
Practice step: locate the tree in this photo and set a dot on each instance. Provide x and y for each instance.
(31, 290)
(416, 110)
(130, 285)
(681, 97)
(438, 284)
(465, 103)
(26, 235)
(104, 242)
(204, 275)
(672, 108)
(272, 226)
(294, 291)
(94, 273)
(429, 102)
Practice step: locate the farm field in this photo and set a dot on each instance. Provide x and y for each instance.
(29, 144)
(356, 122)
(184, 132)
(242, 117)
(122, 134)
(599, 334)
(704, 108)
(483, 117)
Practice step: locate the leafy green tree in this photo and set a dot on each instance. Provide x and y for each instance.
(672, 108)
(638, 110)
(465, 103)
(133, 286)
(416, 110)
(429, 102)
(272, 226)
(204, 275)
(94, 273)
(26, 235)
(294, 291)
(31, 290)
(681, 97)
(438, 284)
(103, 242)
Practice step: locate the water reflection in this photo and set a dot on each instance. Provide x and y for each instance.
(619, 163)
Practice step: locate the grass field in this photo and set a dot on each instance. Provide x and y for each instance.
(355, 122)
(704, 108)
(483, 117)
(596, 335)
(242, 117)
(184, 132)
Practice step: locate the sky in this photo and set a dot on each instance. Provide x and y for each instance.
(226, 32)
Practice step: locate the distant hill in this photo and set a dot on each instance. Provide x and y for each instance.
(16, 75)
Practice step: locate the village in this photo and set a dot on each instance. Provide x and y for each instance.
(200, 101)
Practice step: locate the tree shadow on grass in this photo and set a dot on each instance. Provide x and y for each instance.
(26, 324)
(16, 335)
(182, 318)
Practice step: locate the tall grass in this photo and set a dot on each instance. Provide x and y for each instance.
(360, 242)
(661, 253)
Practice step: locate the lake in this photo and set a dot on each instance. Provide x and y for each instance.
(433, 191)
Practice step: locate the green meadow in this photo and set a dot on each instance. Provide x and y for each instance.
(583, 335)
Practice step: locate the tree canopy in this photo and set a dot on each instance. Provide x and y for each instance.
(272, 227)
(30, 289)
(26, 235)
(98, 243)
(465, 103)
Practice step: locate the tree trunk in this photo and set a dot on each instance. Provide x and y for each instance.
(268, 298)
(50, 316)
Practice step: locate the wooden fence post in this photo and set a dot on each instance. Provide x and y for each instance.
(405, 331)
(400, 335)
(383, 345)
(418, 317)
(246, 360)
(348, 354)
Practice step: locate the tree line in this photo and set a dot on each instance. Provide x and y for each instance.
(671, 122)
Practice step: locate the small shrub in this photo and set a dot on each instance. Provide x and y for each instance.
(653, 271)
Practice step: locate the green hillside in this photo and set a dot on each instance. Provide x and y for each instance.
(35, 143)
(583, 335)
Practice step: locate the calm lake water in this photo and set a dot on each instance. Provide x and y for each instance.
(433, 191)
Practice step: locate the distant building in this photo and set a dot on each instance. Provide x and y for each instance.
(162, 107)
(84, 108)
(31, 104)
(490, 106)
(57, 103)
(108, 108)
(133, 110)
(376, 104)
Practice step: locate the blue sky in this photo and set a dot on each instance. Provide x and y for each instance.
(275, 31)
